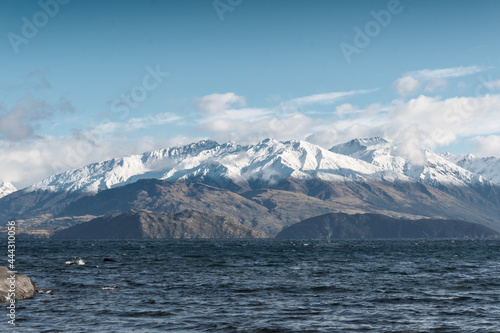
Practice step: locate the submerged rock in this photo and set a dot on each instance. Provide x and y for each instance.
(23, 286)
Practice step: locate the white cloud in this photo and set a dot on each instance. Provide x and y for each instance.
(441, 121)
(345, 108)
(218, 103)
(436, 84)
(487, 145)
(407, 85)
(246, 131)
(285, 121)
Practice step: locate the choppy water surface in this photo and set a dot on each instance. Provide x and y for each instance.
(261, 286)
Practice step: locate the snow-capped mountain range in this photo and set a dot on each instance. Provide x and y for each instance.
(6, 188)
(373, 159)
(436, 171)
(488, 167)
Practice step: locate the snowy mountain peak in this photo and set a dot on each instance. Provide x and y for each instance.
(359, 147)
(447, 155)
(369, 150)
(372, 141)
(375, 140)
(470, 156)
(456, 158)
(6, 188)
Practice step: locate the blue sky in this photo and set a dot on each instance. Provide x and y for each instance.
(86, 80)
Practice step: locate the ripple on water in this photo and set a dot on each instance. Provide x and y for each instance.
(262, 286)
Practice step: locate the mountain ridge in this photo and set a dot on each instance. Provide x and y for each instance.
(267, 162)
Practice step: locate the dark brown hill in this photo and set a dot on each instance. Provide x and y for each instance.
(145, 224)
(345, 226)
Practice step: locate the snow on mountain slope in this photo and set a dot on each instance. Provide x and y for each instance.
(268, 161)
(104, 175)
(488, 167)
(436, 171)
(6, 188)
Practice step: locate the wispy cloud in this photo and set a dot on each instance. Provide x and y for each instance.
(295, 105)
(135, 124)
(327, 98)
(493, 85)
(443, 73)
(435, 79)
(33, 81)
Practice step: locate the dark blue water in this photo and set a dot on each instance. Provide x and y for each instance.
(262, 286)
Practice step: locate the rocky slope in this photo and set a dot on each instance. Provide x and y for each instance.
(268, 209)
(145, 224)
(345, 226)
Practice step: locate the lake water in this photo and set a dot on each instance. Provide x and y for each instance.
(261, 286)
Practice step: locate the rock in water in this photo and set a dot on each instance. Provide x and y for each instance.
(24, 288)
(369, 226)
